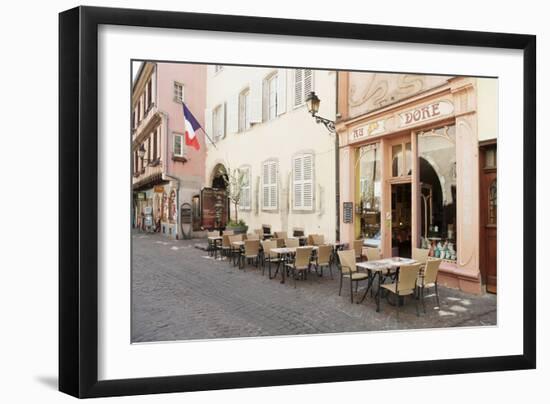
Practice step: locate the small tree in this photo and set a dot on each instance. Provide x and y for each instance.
(235, 180)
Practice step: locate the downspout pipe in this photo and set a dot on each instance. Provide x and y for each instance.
(168, 177)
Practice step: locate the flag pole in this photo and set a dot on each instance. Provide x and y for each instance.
(206, 134)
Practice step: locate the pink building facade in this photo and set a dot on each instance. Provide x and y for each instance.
(167, 175)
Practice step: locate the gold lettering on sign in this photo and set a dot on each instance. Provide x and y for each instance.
(369, 129)
(426, 112)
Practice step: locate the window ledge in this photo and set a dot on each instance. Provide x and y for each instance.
(182, 159)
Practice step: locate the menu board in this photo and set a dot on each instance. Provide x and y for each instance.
(348, 212)
(209, 197)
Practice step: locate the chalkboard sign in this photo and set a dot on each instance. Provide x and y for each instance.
(348, 212)
(186, 214)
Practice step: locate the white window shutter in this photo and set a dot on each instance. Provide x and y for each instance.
(256, 98)
(281, 92)
(208, 123)
(298, 86)
(233, 114)
(298, 182)
(265, 184)
(223, 119)
(274, 190)
(308, 82)
(308, 182)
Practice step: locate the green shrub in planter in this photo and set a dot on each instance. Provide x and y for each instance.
(238, 227)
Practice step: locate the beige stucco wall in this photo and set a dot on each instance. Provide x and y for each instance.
(487, 108)
(290, 133)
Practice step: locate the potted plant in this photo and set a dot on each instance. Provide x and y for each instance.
(235, 180)
(238, 226)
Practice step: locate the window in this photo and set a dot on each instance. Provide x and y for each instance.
(437, 164)
(371, 192)
(155, 149)
(218, 123)
(270, 190)
(178, 92)
(303, 182)
(244, 110)
(149, 93)
(303, 85)
(178, 145)
(492, 217)
(401, 161)
(149, 150)
(139, 111)
(271, 86)
(244, 202)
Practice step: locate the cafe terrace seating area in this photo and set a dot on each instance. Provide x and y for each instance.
(299, 257)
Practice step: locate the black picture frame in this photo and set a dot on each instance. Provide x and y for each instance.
(78, 192)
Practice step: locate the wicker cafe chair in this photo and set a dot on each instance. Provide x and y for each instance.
(252, 236)
(405, 284)
(348, 269)
(226, 245)
(358, 248)
(429, 279)
(251, 252)
(260, 233)
(301, 262)
(292, 242)
(212, 244)
(323, 259)
(269, 256)
(420, 255)
(280, 242)
(318, 239)
(229, 232)
(235, 251)
(281, 234)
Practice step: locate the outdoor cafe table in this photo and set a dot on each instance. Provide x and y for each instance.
(283, 253)
(212, 242)
(377, 267)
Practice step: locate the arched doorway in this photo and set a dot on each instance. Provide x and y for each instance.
(219, 177)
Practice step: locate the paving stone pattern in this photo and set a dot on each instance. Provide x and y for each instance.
(179, 293)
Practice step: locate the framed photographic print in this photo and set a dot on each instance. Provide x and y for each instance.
(247, 201)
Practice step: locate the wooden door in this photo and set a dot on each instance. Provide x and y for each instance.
(488, 217)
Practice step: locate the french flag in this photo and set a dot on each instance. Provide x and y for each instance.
(191, 128)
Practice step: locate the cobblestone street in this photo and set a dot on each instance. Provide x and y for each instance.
(179, 293)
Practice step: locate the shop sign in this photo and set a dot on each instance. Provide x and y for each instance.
(159, 189)
(426, 113)
(367, 130)
(348, 212)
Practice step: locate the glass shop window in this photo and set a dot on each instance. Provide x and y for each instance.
(437, 165)
(401, 160)
(370, 190)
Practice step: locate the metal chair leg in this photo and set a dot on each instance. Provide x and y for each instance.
(340, 290)
(422, 298)
(351, 288)
(437, 295)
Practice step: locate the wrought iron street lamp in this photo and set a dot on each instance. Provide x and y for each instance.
(141, 153)
(313, 102)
